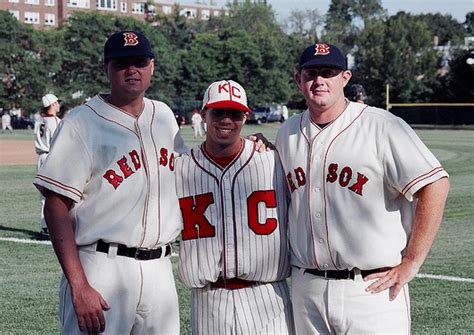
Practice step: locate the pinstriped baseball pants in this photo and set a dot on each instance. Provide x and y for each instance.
(260, 309)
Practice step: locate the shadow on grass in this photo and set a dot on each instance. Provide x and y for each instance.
(32, 234)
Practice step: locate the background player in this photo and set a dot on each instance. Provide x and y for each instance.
(196, 123)
(234, 252)
(47, 124)
(356, 93)
(367, 199)
(111, 206)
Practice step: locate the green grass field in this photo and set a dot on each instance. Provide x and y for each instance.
(29, 273)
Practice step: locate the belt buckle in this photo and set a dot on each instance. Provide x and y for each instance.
(325, 274)
(141, 250)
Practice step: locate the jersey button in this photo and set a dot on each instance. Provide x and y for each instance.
(317, 189)
(325, 266)
(318, 215)
(321, 240)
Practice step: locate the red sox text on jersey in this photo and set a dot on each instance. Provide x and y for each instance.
(343, 177)
(117, 176)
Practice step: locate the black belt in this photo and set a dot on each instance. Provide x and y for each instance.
(137, 253)
(341, 274)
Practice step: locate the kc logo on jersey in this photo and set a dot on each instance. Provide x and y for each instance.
(321, 49)
(130, 39)
(196, 225)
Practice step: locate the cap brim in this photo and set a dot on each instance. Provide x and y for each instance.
(229, 104)
(128, 54)
(319, 62)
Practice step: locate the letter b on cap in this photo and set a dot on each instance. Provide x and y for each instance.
(130, 39)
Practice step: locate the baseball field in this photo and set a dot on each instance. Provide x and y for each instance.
(442, 295)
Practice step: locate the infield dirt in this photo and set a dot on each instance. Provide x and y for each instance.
(14, 152)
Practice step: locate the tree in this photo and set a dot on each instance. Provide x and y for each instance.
(367, 10)
(469, 23)
(305, 23)
(29, 60)
(396, 51)
(338, 28)
(445, 27)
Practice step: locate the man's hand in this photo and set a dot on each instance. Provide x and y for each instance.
(261, 142)
(393, 279)
(89, 306)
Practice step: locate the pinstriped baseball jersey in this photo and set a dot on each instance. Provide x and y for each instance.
(234, 218)
(352, 185)
(45, 133)
(106, 161)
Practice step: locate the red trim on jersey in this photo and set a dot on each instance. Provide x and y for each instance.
(122, 110)
(113, 121)
(158, 173)
(223, 162)
(421, 178)
(148, 186)
(233, 204)
(61, 185)
(324, 184)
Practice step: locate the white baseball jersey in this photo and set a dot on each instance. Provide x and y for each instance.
(47, 126)
(234, 218)
(352, 185)
(118, 169)
(234, 226)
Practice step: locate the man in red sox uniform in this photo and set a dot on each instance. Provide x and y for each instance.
(111, 207)
(367, 199)
(234, 251)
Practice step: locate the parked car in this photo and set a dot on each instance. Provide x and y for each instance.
(263, 114)
(22, 122)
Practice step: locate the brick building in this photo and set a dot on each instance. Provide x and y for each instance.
(52, 13)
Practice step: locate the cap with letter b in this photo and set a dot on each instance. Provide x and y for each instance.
(127, 44)
(322, 54)
(226, 94)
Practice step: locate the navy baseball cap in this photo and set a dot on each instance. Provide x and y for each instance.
(322, 54)
(127, 44)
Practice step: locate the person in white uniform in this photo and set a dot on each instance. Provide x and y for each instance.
(367, 199)
(111, 205)
(196, 123)
(47, 125)
(234, 252)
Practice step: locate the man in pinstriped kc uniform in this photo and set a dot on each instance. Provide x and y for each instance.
(234, 251)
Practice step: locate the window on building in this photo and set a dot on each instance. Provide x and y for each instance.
(138, 8)
(216, 13)
(15, 1)
(205, 14)
(49, 19)
(167, 10)
(49, 2)
(15, 13)
(78, 3)
(107, 4)
(32, 2)
(189, 12)
(123, 7)
(32, 17)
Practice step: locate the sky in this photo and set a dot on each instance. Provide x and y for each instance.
(457, 8)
